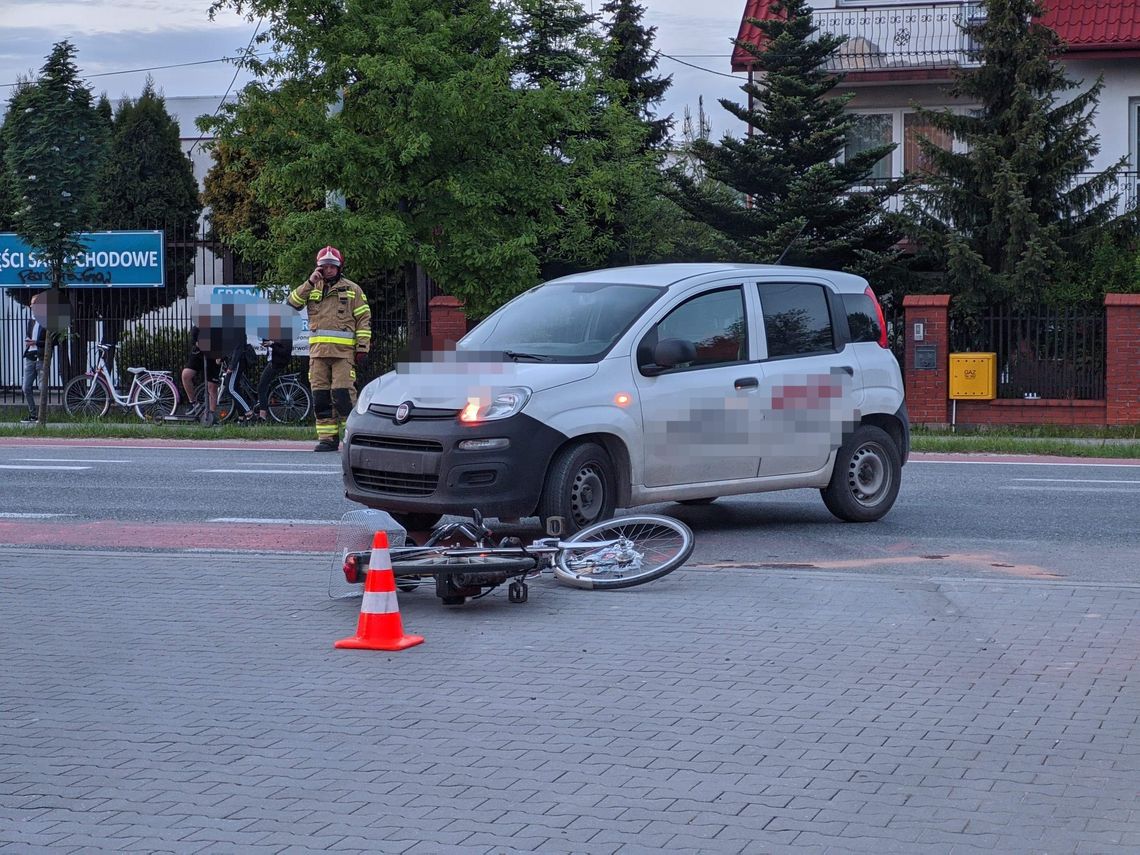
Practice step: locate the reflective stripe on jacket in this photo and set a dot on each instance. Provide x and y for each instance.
(340, 321)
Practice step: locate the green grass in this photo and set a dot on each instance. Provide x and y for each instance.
(97, 429)
(1092, 447)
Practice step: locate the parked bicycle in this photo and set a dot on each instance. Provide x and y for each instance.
(617, 553)
(290, 402)
(153, 394)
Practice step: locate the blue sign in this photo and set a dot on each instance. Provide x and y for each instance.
(108, 260)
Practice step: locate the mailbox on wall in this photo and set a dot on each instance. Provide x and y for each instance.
(973, 376)
(926, 357)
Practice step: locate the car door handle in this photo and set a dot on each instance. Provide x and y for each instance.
(846, 369)
(746, 383)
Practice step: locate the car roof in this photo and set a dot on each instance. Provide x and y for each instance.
(666, 275)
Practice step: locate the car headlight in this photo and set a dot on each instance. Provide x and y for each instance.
(504, 404)
(367, 395)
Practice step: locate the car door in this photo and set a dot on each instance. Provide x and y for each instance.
(808, 384)
(696, 415)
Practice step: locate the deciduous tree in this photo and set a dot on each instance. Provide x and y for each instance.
(406, 108)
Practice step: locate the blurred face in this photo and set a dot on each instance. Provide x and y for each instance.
(328, 271)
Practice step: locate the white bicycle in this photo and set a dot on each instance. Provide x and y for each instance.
(153, 395)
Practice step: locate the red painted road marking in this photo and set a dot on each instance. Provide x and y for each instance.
(223, 537)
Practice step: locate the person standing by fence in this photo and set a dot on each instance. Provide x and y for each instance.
(35, 343)
(340, 335)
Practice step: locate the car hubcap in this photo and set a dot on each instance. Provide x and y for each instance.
(867, 476)
(587, 495)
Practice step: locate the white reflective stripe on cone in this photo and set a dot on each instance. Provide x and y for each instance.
(382, 603)
(379, 560)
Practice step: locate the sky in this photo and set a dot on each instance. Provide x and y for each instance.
(124, 35)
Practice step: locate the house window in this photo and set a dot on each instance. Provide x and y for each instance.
(869, 130)
(914, 126)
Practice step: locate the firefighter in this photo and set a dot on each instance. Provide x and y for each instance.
(340, 334)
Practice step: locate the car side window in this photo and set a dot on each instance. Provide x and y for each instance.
(797, 320)
(714, 322)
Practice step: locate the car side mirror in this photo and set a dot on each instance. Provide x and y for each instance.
(671, 352)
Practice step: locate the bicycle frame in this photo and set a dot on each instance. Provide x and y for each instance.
(138, 393)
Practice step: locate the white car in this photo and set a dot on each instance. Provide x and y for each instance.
(623, 387)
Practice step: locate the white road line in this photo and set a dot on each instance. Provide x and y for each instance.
(256, 521)
(1115, 490)
(32, 516)
(266, 471)
(1084, 480)
(921, 462)
(5, 466)
(66, 460)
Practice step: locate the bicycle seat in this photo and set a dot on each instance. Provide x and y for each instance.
(136, 370)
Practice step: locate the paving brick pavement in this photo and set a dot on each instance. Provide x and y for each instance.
(194, 703)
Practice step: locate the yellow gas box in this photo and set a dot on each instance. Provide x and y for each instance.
(973, 376)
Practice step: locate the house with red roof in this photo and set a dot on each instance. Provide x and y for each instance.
(900, 53)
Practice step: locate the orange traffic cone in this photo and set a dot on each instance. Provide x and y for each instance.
(380, 627)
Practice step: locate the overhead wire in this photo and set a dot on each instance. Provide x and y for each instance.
(233, 80)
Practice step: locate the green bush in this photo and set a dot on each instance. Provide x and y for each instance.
(164, 349)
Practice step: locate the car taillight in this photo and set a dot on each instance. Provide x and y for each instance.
(882, 320)
(351, 569)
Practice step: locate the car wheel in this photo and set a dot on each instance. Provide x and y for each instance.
(865, 482)
(580, 487)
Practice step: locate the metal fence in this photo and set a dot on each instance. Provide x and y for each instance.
(1042, 352)
(151, 327)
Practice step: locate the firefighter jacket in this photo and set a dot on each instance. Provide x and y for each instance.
(340, 322)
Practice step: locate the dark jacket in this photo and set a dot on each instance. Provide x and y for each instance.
(36, 351)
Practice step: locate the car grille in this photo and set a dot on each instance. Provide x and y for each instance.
(395, 483)
(393, 443)
(388, 411)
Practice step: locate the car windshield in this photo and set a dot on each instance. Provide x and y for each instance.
(560, 322)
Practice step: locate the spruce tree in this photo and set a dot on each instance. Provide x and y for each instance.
(795, 199)
(630, 58)
(53, 149)
(146, 183)
(1010, 216)
(551, 41)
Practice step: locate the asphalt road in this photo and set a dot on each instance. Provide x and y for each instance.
(967, 516)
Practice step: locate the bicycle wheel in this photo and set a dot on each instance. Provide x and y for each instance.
(225, 410)
(86, 395)
(647, 547)
(289, 402)
(159, 398)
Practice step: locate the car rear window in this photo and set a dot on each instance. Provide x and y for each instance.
(862, 317)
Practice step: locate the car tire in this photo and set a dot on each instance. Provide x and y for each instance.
(866, 478)
(581, 487)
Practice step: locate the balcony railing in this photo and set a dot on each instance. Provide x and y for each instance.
(900, 37)
(1126, 188)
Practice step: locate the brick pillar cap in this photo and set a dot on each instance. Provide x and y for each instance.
(445, 300)
(1122, 299)
(923, 300)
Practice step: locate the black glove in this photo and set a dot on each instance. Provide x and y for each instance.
(361, 358)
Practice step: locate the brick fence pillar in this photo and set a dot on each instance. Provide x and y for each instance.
(928, 389)
(1122, 358)
(447, 322)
